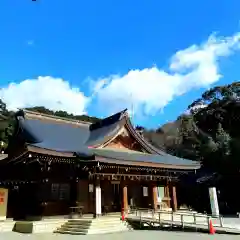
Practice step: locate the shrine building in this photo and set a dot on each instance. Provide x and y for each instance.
(55, 164)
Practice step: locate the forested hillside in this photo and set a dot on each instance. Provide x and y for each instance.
(209, 133)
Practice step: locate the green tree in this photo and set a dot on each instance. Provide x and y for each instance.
(210, 133)
(6, 123)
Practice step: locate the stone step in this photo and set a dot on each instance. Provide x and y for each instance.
(90, 231)
(95, 220)
(93, 223)
(95, 227)
(73, 229)
(76, 226)
(70, 232)
(80, 221)
(98, 225)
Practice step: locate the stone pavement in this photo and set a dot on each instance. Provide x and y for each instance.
(140, 235)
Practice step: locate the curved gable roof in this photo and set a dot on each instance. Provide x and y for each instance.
(63, 135)
(66, 135)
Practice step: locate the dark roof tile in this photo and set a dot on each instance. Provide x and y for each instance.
(76, 138)
(66, 137)
(59, 137)
(142, 157)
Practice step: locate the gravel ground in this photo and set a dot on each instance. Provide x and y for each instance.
(140, 235)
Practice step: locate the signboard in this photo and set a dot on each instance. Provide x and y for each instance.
(214, 201)
(3, 203)
(91, 187)
(145, 191)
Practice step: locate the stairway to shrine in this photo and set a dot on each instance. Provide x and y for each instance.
(105, 224)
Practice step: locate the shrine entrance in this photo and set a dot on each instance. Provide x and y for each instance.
(116, 196)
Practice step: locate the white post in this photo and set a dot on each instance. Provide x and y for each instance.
(214, 201)
(98, 200)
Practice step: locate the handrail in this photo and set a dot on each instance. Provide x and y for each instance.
(176, 213)
(181, 214)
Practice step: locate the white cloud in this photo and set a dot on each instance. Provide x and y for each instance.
(151, 89)
(53, 93)
(30, 42)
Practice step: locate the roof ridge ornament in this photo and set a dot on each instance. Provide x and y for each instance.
(117, 117)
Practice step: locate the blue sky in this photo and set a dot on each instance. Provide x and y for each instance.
(103, 56)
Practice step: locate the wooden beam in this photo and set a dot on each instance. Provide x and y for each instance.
(120, 176)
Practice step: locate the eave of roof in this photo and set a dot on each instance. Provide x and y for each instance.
(95, 155)
(140, 159)
(50, 152)
(146, 164)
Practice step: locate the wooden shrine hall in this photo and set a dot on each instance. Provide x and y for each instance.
(55, 164)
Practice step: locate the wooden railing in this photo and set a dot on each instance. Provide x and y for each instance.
(160, 217)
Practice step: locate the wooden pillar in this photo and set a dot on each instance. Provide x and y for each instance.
(155, 197)
(125, 199)
(174, 198)
(98, 198)
(167, 196)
